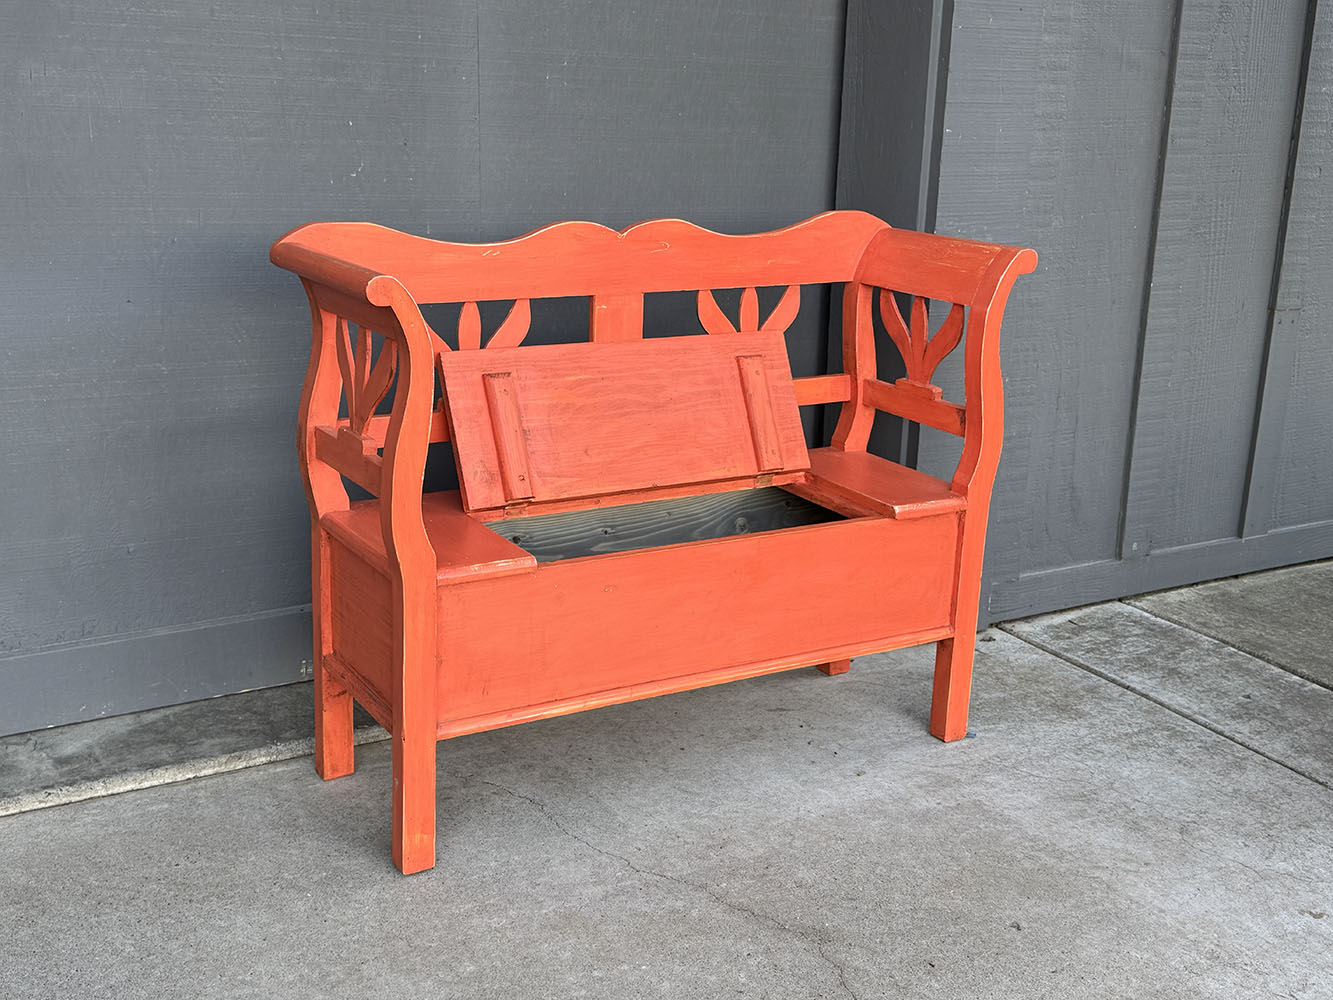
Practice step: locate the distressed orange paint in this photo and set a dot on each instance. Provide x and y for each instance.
(439, 625)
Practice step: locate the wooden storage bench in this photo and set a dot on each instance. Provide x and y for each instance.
(635, 516)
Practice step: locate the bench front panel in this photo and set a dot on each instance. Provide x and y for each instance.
(581, 626)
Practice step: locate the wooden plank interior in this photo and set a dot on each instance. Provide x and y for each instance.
(552, 537)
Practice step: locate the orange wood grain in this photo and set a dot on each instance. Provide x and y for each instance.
(891, 397)
(984, 389)
(858, 361)
(609, 418)
(614, 318)
(441, 626)
(757, 393)
(703, 677)
(581, 258)
(816, 389)
(511, 449)
(334, 756)
(835, 667)
(462, 546)
(351, 455)
(377, 427)
(874, 484)
(359, 624)
(579, 626)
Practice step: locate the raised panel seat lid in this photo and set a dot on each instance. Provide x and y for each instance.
(567, 421)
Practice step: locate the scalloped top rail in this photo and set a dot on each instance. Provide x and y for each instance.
(582, 258)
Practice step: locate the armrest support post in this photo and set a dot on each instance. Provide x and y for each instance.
(858, 362)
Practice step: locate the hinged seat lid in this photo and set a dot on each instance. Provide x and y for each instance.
(566, 421)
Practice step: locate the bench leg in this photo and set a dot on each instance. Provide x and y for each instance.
(334, 755)
(333, 703)
(836, 667)
(413, 803)
(414, 720)
(953, 687)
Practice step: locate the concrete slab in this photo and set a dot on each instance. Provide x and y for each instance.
(791, 836)
(106, 756)
(1284, 616)
(1262, 707)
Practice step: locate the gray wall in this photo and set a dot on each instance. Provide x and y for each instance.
(1169, 367)
(154, 547)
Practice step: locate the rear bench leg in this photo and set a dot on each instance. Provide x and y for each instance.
(836, 667)
(334, 756)
(333, 703)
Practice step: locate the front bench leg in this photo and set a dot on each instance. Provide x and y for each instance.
(413, 800)
(835, 667)
(953, 656)
(414, 727)
(953, 687)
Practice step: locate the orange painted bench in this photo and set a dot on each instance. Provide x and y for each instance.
(635, 516)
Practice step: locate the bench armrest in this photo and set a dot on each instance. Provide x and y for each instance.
(972, 280)
(346, 298)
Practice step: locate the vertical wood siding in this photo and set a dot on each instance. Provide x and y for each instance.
(154, 548)
(1169, 368)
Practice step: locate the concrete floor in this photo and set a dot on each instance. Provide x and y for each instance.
(1144, 812)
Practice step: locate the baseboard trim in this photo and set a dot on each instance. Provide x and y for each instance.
(1112, 579)
(73, 683)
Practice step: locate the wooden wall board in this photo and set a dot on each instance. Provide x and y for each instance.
(152, 355)
(1236, 85)
(1052, 132)
(1302, 469)
(1143, 149)
(895, 75)
(154, 152)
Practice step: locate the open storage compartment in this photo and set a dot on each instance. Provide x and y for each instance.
(603, 530)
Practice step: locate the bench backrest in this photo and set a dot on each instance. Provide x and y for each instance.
(583, 258)
(366, 276)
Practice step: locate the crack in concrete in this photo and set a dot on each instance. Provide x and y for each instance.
(810, 936)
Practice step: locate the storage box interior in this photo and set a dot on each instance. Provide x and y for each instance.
(550, 537)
